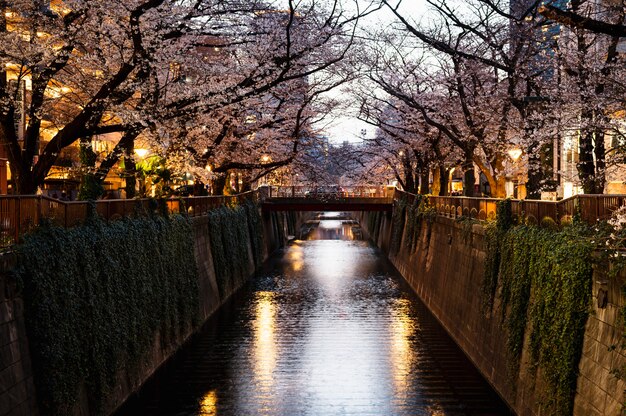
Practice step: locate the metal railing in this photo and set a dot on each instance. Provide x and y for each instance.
(592, 208)
(20, 214)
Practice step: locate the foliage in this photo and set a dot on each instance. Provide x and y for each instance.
(90, 187)
(200, 82)
(154, 174)
(467, 224)
(230, 229)
(255, 229)
(97, 295)
(494, 233)
(561, 285)
(397, 224)
(545, 278)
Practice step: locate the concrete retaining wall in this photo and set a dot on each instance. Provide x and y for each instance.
(17, 392)
(446, 270)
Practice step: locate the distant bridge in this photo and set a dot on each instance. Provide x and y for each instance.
(327, 198)
(332, 203)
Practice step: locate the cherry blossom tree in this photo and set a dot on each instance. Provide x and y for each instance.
(143, 69)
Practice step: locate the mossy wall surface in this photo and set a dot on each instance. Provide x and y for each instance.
(518, 300)
(106, 303)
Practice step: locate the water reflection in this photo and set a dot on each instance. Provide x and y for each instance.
(402, 355)
(326, 328)
(332, 226)
(208, 404)
(264, 346)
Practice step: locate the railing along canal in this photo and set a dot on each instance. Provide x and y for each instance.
(20, 214)
(592, 208)
(361, 191)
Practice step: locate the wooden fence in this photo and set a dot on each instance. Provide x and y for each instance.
(20, 214)
(592, 208)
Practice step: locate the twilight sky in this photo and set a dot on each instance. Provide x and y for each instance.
(349, 127)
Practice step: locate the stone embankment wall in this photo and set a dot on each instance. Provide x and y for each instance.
(17, 392)
(445, 267)
(17, 395)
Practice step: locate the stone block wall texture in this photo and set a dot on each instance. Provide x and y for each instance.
(17, 392)
(445, 269)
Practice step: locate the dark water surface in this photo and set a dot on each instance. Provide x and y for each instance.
(326, 328)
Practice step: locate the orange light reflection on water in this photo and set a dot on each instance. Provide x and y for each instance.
(208, 404)
(403, 356)
(264, 344)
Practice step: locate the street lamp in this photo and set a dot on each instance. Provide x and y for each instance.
(515, 154)
(142, 153)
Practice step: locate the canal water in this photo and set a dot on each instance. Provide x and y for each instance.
(327, 327)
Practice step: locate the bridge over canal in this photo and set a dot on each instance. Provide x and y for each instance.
(325, 327)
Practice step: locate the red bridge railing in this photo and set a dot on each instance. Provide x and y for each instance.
(592, 208)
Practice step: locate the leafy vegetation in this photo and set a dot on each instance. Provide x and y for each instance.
(230, 229)
(494, 233)
(545, 278)
(97, 296)
(397, 224)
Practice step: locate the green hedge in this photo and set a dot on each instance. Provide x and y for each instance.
(230, 229)
(544, 276)
(96, 296)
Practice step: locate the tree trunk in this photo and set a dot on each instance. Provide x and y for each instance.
(469, 178)
(444, 176)
(219, 183)
(535, 174)
(436, 189)
(498, 188)
(130, 171)
(586, 166)
(600, 153)
(424, 185)
(24, 183)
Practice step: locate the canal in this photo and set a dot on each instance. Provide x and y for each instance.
(327, 327)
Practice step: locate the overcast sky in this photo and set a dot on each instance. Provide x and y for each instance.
(349, 128)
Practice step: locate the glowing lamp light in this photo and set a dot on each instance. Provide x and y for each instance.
(515, 154)
(265, 158)
(208, 168)
(141, 153)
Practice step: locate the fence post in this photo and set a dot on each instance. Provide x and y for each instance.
(38, 213)
(18, 217)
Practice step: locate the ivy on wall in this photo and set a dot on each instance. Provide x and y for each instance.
(397, 224)
(544, 276)
(97, 295)
(229, 233)
(416, 213)
(255, 229)
(494, 234)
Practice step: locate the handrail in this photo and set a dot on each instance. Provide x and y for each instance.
(21, 213)
(592, 208)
